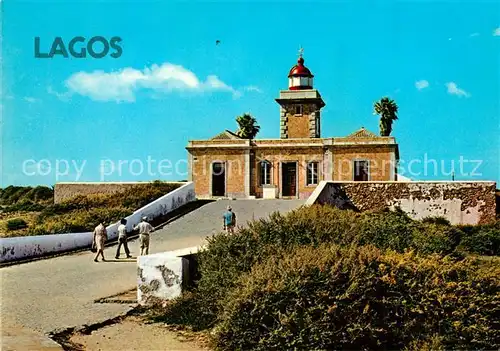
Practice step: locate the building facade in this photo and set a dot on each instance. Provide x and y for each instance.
(293, 165)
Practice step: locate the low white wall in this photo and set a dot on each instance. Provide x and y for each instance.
(161, 276)
(23, 247)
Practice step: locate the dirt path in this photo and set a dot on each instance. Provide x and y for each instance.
(134, 333)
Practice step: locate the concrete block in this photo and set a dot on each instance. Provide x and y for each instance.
(163, 276)
(159, 277)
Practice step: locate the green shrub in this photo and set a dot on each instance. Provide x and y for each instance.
(436, 238)
(26, 206)
(436, 220)
(188, 310)
(83, 212)
(16, 223)
(386, 230)
(79, 221)
(229, 256)
(482, 240)
(14, 194)
(360, 298)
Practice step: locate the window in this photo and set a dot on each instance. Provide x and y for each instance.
(361, 171)
(298, 110)
(312, 173)
(265, 173)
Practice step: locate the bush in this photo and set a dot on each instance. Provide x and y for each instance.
(79, 221)
(229, 256)
(83, 212)
(26, 206)
(482, 240)
(436, 220)
(436, 238)
(16, 223)
(360, 298)
(14, 194)
(189, 310)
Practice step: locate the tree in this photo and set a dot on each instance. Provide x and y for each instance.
(248, 127)
(387, 110)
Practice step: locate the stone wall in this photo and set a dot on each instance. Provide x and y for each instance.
(459, 202)
(64, 191)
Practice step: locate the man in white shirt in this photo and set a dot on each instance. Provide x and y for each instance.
(122, 239)
(144, 229)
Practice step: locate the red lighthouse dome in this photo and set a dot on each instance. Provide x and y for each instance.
(300, 77)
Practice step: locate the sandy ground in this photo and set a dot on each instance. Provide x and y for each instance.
(133, 333)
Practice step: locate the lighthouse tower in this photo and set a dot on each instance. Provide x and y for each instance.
(300, 105)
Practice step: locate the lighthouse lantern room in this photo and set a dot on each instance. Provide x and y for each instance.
(300, 77)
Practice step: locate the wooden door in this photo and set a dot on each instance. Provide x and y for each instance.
(289, 179)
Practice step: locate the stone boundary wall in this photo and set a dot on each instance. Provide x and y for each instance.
(25, 247)
(64, 191)
(471, 202)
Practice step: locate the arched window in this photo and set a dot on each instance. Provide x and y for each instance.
(265, 172)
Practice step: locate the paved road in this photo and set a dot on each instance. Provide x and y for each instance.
(59, 292)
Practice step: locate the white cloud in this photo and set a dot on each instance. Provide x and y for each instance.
(62, 96)
(453, 89)
(123, 85)
(421, 84)
(474, 34)
(252, 88)
(496, 32)
(31, 99)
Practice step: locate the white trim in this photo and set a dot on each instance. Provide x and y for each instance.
(394, 166)
(366, 142)
(190, 167)
(138, 182)
(328, 165)
(247, 176)
(236, 146)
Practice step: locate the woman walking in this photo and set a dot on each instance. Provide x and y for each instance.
(100, 237)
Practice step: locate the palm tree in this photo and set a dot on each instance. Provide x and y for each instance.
(248, 127)
(387, 110)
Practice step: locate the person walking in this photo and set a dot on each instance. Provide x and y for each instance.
(122, 239)
(229, 218)
(100, 237)
(144, 230)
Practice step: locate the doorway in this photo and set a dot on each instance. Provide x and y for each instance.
(218, 179)
(361, 172)
(289, 179)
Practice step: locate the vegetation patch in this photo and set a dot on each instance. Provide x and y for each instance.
(360, 298)
(78, 214)
(331, 277)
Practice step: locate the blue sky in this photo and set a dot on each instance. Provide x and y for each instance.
(440, 61)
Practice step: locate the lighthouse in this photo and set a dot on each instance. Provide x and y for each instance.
(300, 104)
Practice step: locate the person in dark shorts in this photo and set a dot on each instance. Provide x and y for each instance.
(229, 218)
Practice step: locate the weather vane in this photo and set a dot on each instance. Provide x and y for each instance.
(301, 51)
